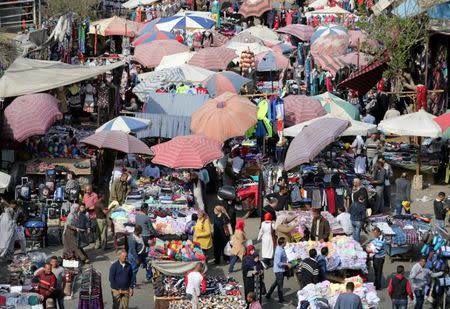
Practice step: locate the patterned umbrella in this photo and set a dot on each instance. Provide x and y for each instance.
(254, 7)
(187, 21)
(149, 27)
(245, 37)
(213, 58)
(114, 26)
(358, 38)
(153, 36)
(329, 30)
(124, 124)
(150, 54)
(302, 32)
(190, 151)
(118, 140)
(224, 117)
(331, 40)
(312, 140)
(225, 81)
(444, 122)
(271, 61)
(337, 107)
(30, 115)
(301, 108)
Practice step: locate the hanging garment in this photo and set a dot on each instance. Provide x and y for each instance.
(263, 107)
(316, 199)
(331, 200)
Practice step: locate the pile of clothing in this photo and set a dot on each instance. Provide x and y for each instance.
(176, 250)
(207, 302)
(18, 297)
(313, 295)
(305, 219)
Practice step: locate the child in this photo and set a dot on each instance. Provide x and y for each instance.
(440, 210)
(322, 261)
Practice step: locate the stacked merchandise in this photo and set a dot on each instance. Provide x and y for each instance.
(344, 253)
(316, 295)
(176, 250)
(91, 295)
(405, 155)
(12, 297)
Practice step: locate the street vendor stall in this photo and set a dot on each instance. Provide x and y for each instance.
(40, 166)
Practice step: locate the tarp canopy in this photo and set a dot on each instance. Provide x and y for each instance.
(365, 78)
(26, 76)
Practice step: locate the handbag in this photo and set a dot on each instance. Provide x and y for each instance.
(227, 249)
(289, 273)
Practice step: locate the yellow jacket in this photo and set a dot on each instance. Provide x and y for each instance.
(202, 234)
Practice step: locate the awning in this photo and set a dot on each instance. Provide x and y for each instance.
(364, 79)
(26, 76)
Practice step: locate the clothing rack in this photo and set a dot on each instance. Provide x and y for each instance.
(90, 296)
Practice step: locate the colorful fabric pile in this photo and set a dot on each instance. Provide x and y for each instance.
(305, 219)
(206, 302)
(176, 250)
(328, 292)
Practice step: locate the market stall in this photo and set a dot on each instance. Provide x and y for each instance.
(39, 166)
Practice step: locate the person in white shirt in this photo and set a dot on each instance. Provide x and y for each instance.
(195, 284)
(360, 164)
(344, 220)
(152, 170)
(358, 145)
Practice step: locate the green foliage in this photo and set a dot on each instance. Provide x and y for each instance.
(399, 36)
(8, 53)
(83, 8)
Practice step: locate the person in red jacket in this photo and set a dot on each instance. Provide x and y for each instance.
(47, 284)
(399, 289)
(195, 284)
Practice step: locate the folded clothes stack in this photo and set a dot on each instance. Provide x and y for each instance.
(176, 250)
(208, 302)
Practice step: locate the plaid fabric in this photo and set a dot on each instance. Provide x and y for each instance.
(412, 237)
(400, 237)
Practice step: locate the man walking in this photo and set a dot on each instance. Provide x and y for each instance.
(357, 212)
(348, 300)
(379, 177)
(389, 173)
(280, 265)
(120, 278)
(379, 256)
(399, 289)
(101, 211)
(402, 192)
(420, 276)
(119, 189)
(195, 285)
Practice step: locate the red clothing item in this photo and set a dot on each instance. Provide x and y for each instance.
(203, 288)
(331, 200)
(202, 90)
(89, 200)
(408, 286)
(47, 284)
(180, 39)
(288, 17)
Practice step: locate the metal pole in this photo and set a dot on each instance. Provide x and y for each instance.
(39, 12)
(34, 12)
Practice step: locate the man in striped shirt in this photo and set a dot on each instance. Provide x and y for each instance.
(309, 269)
(379, 253)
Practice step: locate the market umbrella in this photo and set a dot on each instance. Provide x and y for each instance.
(124, 124)
(312, 140)
(149, 27)
(301, 108)
(239, 47)
(271, 61)
(153, 36)
(188, 21)
(283, 48)
(355, 58)
(329, 63)
(226, 81)
(150, 54)
(114, 26)
(337, 106)
(213, 58)
(254, 7)
(30, 115)
(174, 60)
(356, 127)
(328, 10)
(331, 40)
(302, 32)
(224, 117)
(444, 122)
(117, 140)
(190, 151)
(358, 38)
(246, 37)
(419, 123)
(131, 4)
(262, 32)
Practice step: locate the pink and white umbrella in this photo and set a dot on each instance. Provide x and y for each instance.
(190, 151)
(118, 140)
(359, 38)
(151, 54)
(330, 40)
(254, 7)
(329, 63)
(302, 32)
(213, 58)
(301, 108)
(356, 58)
(30, 115)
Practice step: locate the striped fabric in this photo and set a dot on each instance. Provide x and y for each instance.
(329, 63)
(150, 54)
(117, 140)
(226, 81)
(254, 7)
(190, 151)
(301, 108)
(312, 140)
(302, 32)
(213, 58)
(30, 115)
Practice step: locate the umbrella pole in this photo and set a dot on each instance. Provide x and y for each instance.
(418, 180)
(271, 79)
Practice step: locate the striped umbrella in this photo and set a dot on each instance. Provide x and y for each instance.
(239, 47)
(190, 151)
(114, 26)
(225, 81)
(153, 36)
(329, 63)
(328, 30)
(254, 7)
(271, 61)
(283, 48)
(150, 54)
(302, 32)
(30, 115)
(117, 140)
(213, 58)
(358, 38)
(124, 124)
(312, 140)
(337, 107)
(224, 117)
(301, 108)
(187, 21)
(331, 39)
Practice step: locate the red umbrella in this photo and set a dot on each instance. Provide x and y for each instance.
(30, 115)
(117, 140)
(302, 32)
(190, 151)
(213, 58)
(254, 7)
(300, 108)
(150, 54)
(443, 121)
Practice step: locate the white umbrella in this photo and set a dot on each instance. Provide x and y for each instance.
(356, 127)
(131, 4)
(124, 124)
(239, 47)
(419, 123)
(174, 60)
(262, 32)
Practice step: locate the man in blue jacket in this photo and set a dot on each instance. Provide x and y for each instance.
(120, 278)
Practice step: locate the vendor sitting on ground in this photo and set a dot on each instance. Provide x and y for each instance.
(47, 284)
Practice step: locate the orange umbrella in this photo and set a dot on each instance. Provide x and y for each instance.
(224, 117)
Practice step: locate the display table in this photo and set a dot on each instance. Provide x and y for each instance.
(39, 166)
(174, 268)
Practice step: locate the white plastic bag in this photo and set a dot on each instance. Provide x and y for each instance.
(227, 250)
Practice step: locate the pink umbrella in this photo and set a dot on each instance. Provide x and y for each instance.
(254, 7)
(30, 115)
(359, 38)
(329, 63)
(118, 140)
(301, 108)
(302, 32)
(352, 58)
(150, 54)
(115, 26)
(213, 58)
(191, 151)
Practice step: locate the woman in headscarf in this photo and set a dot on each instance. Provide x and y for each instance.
(252, 272)
(7, 234)
(202, 231)
(70, 236)
(197, 191)
(266, 234)
(222, 232)
(237, 245)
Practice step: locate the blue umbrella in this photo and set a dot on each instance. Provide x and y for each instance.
(124, 124)
(151, 36)
(150, 27)
(328, 30)
(183, 22)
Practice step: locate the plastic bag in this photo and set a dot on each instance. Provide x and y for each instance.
(227, 250)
